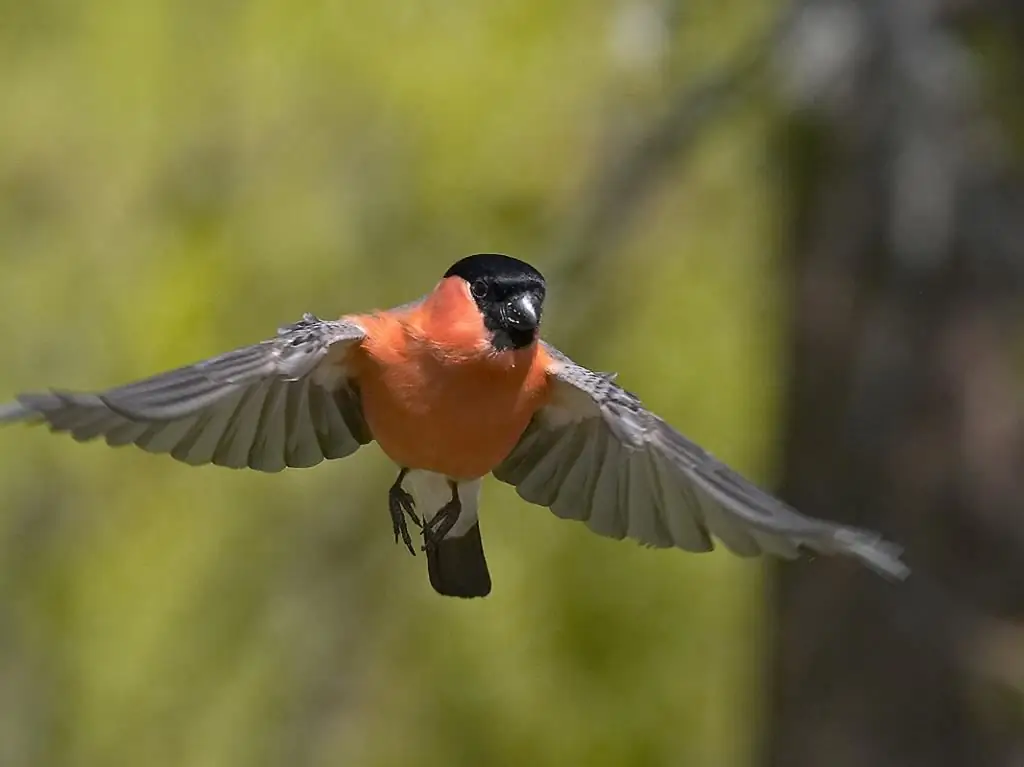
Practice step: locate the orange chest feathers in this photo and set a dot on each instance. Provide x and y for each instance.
(446, 404)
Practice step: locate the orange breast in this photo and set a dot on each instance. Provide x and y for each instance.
(436, 397)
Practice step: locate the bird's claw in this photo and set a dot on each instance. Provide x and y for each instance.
(430, 541)
(440, 525)
(401, 505)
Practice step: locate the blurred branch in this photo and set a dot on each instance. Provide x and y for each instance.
(624, 183)
(902, 414)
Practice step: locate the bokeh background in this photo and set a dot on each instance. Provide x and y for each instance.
(795, 229)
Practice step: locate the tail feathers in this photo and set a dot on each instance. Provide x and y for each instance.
(457, 566)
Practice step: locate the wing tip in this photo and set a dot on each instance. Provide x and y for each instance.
(16, 411)
(882, 556)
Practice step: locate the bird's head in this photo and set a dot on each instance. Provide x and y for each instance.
(509, 294)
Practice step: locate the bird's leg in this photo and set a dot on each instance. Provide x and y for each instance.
(441, 524)
(401, 504)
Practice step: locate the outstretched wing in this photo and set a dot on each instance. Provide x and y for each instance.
(595, 454)
(283, 402)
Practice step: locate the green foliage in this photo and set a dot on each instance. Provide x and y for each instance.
(179, 178)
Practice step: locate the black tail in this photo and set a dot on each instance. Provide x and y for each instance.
(457, 566)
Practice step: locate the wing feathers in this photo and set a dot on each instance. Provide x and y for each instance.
(646, 514)
(675, 498)
(350, 408)
(256, 407)
(200, 445)
(595, 454)
(302, 449)
(605, 515)
(540, 484)
(164, 436)
(333, 434)
(267, 450)
(574, 496)
(516, 467)
(125, 433)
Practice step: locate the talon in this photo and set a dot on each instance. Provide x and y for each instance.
(402, 505)
(430, 538)
(409, 507)
(441, 523)
(402, 530)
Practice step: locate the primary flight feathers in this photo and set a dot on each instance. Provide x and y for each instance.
(257, 406)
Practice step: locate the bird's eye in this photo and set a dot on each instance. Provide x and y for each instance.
(478, 288)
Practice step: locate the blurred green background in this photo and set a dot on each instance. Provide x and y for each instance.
(180, 178)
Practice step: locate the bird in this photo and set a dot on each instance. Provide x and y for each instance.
(453, 387)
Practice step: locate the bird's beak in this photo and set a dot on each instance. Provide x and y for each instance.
(523, 312)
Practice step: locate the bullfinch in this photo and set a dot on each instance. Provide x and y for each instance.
(453, 387)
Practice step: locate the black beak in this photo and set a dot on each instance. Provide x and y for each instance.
(523, 312)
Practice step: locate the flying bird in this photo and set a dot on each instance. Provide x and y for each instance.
(453, 387)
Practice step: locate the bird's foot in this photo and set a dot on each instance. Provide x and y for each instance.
(402, 505)
(441, 523)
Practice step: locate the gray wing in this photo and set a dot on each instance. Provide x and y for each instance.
(595, 454)
(283, 402)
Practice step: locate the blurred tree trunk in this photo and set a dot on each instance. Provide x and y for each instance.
(903, 242)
